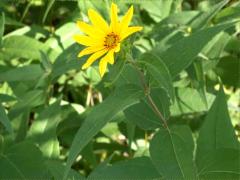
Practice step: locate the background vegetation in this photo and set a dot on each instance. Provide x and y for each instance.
(57, 121)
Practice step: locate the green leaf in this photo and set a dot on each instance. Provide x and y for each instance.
(142, 114)
(6, 98)
(217, 130)
(4, 120)
(100, 115)
(172, 153)
(31, 98)
(49, 6)
(167, 7)
(63, 37)
(220, 164)
(129, 75)
(136, 168)
(25, 73)
(2, 23)
(67, 61)
(228, 14)
(159, 72)
(43, 130)
(203, 19)
(183, 52)
(22, 161)
(24, 47)
(228, 69)
(189, 101)
(56, 168)
(196, 74)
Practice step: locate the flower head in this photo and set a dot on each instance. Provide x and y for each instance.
(103, 40)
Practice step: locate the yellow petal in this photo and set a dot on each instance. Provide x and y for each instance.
(90, 30)
(109, 57)
(98, 21)
(93, 58)
(126, 19)
(129, 31)
(117, 48)
(102, 66)
(90, 50)
(114, 18)
(85, 40)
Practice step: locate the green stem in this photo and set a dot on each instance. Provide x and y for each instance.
(146, 89)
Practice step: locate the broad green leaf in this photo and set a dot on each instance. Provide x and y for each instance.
(56, 168)
(196, 74)
(182, 18)
(25, 73)
(43, 130)
(172, 153)
(23, 124)
(143, 115)
(24, 47)
(47, 65)
(213, 51)
(228, 69)
(6, 98)
(100, 116)
(158, 72)
(5, 120)
(220, 164)
(166, 6)
(30, 99)
(182, 53)
(114, 73)
(67, 60)
(22, 161)
(189, 101)
(71, 120)
(2, 23)
(204, 18)
(136, 168)
(129, 75)
(217, 130)
(228, 14)
(63, 37)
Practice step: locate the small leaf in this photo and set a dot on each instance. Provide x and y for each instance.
(4, 120)
(2, 23)
(159, 72)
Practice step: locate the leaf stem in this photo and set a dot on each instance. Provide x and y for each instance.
(147, 93)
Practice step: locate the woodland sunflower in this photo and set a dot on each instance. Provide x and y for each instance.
(103, 40)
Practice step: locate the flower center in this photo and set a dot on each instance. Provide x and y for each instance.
(111, 40)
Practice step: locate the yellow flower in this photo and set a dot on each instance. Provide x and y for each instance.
(103, 40)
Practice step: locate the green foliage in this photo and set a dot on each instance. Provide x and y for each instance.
(168, 108)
